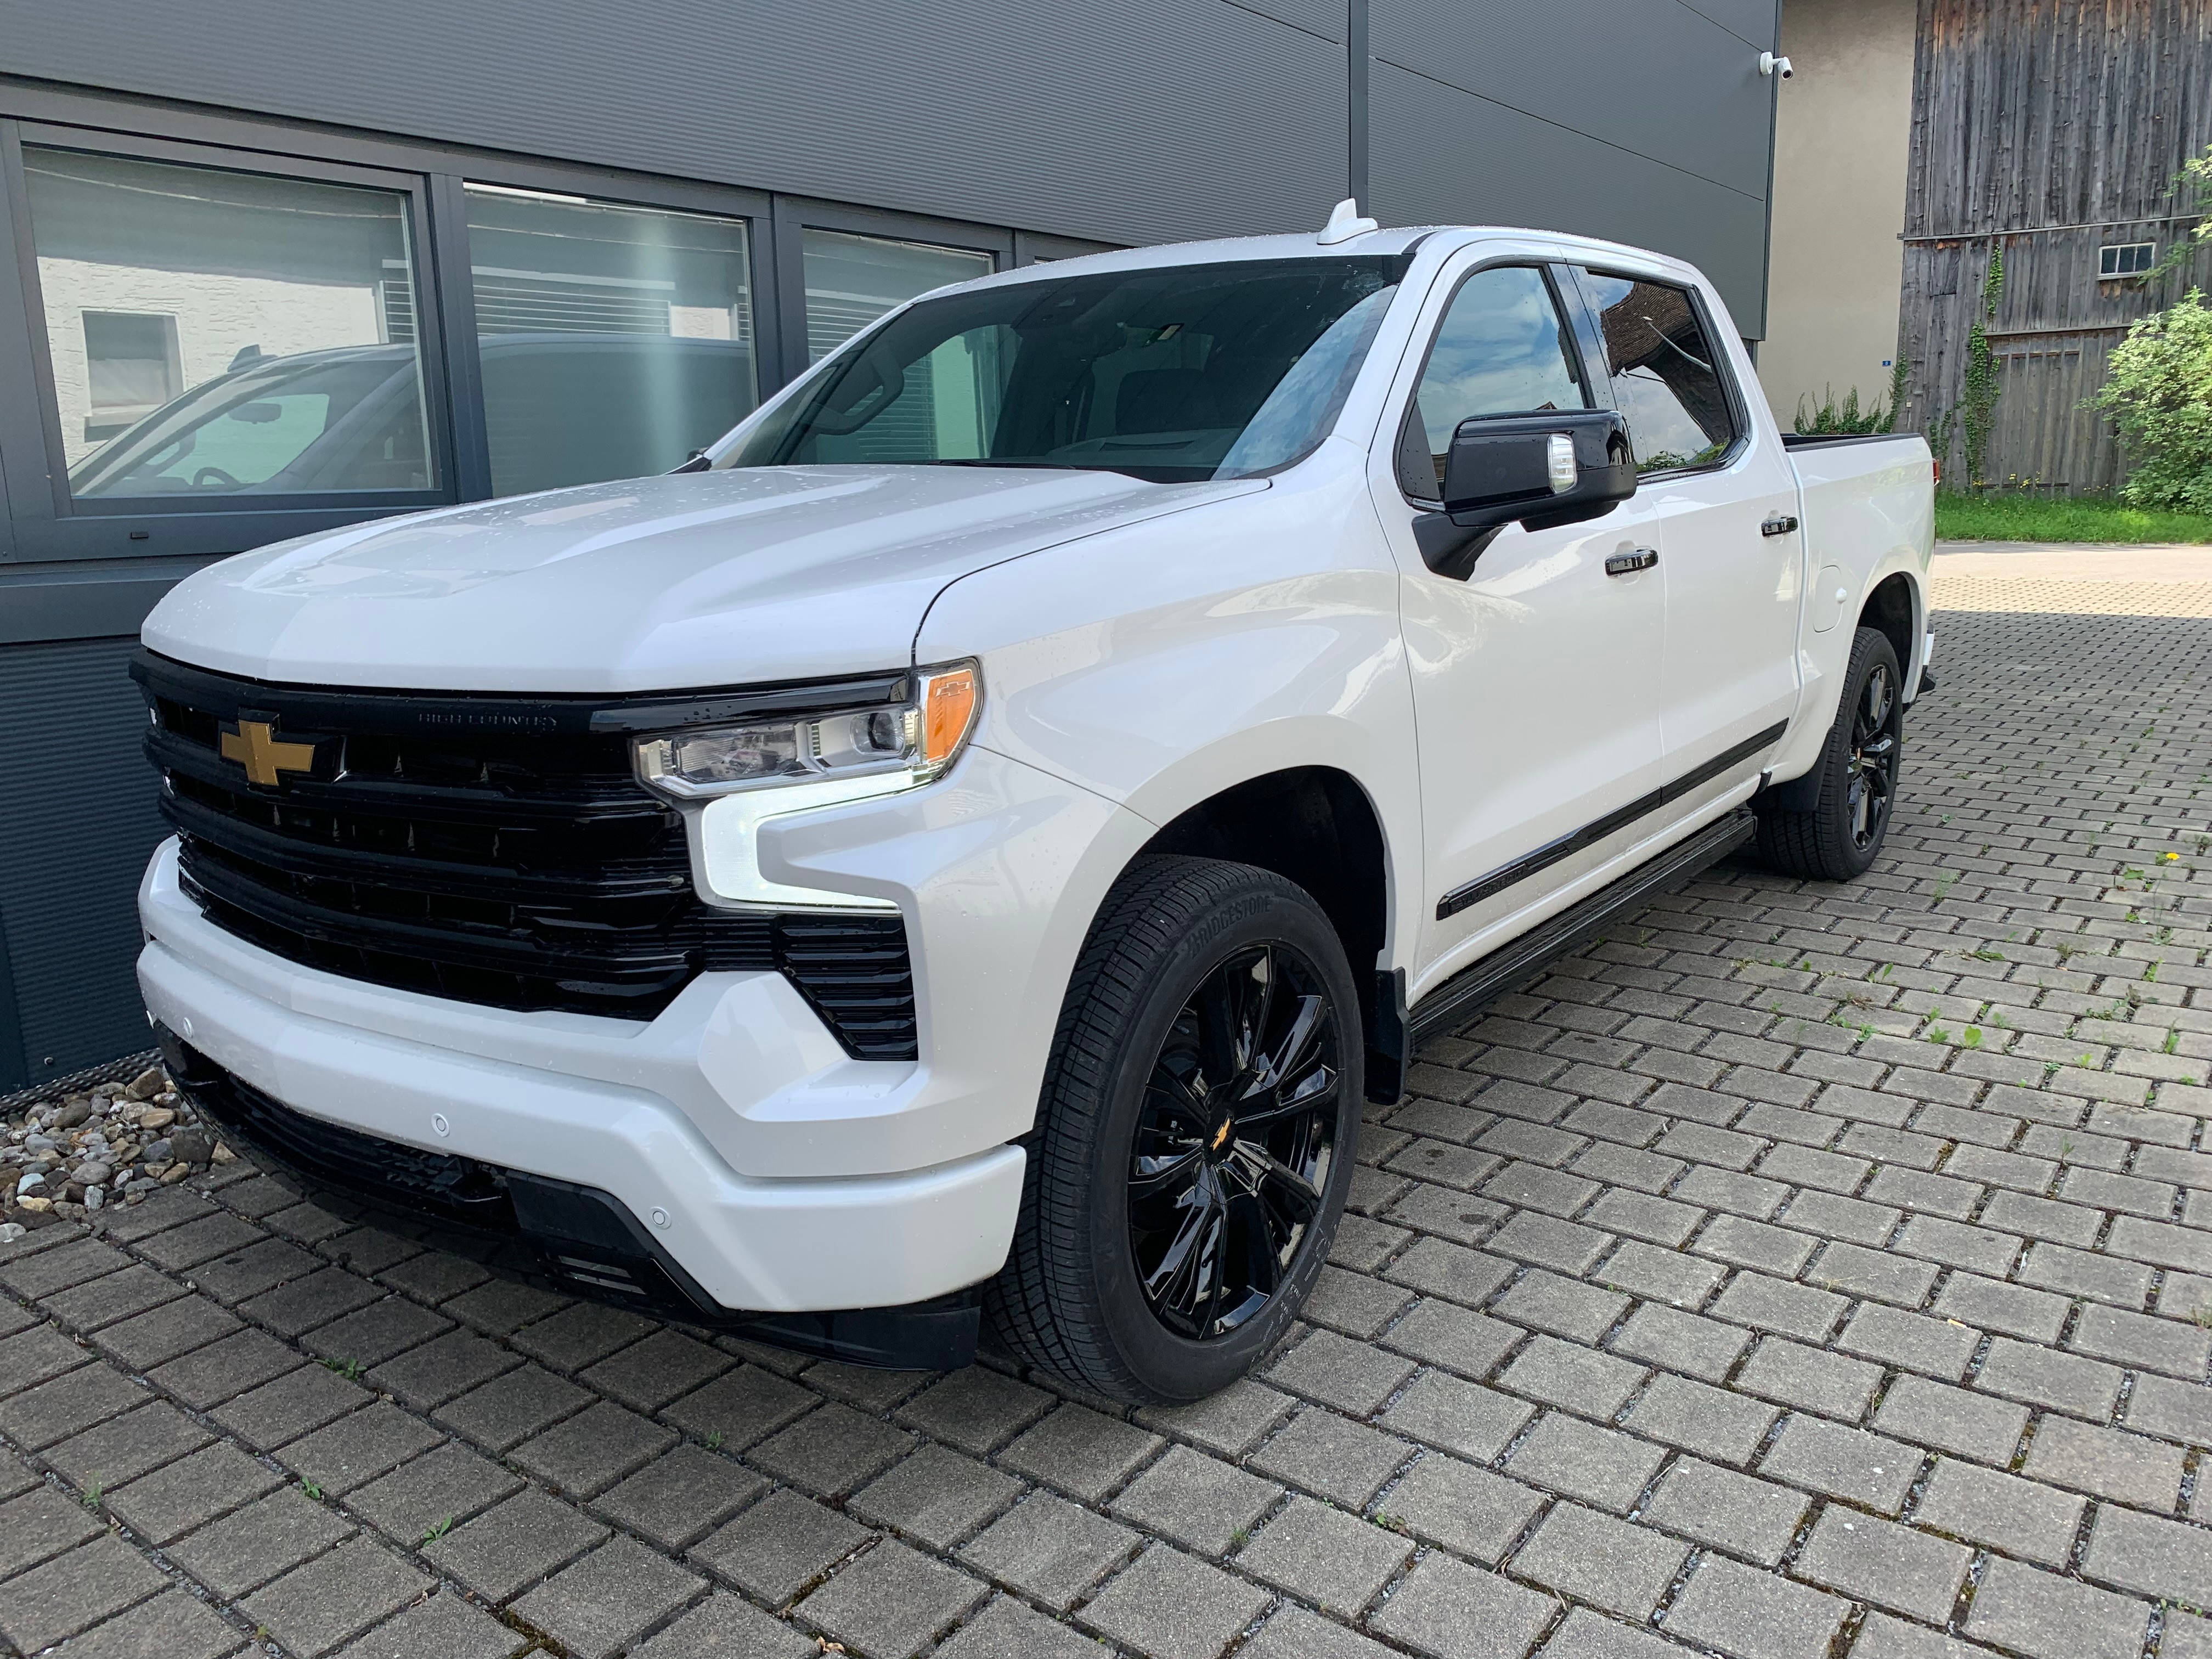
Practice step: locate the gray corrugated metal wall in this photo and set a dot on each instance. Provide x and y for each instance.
(1129, 122)
(80, 825)
(1123, 121)
(1647, 123)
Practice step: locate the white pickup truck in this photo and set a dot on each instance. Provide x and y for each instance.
(964, 849)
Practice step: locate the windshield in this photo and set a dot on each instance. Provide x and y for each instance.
(1172, 374)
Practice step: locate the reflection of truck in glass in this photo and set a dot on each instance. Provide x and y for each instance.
(979, 840)
(568, 408)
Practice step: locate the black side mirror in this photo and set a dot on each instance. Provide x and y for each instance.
(1539, 470)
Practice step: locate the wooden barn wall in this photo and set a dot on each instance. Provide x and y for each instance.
(2049, 128)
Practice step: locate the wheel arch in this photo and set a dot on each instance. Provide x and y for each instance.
(1896, 609)
(1317, 826)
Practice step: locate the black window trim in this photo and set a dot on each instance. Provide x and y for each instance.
(1033, 247)
(430, 354)
(1715, 343)
(797, 214)
(1570, 314)
(457, 283)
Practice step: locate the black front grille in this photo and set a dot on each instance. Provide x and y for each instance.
(496, 851)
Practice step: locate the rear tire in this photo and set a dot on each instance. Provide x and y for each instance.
(1194, 1136)
(1853, 786)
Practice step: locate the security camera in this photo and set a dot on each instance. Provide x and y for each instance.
(1770, 64)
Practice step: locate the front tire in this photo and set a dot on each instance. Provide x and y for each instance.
(1853, 786)
(1194, 1136)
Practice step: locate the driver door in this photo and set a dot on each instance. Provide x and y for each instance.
(1536, 681)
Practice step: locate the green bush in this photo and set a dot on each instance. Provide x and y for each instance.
(2158, 392)
(1846, 417)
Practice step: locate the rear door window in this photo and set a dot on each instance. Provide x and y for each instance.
(1501, 350)
(1667, 379)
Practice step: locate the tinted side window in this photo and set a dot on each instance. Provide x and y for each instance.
(1666, 375)
(1501, 350)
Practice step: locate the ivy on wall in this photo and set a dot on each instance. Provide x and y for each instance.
(1978, 396)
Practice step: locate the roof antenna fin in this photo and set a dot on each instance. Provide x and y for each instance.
(1344, 222)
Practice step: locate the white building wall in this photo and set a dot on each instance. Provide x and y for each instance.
(1843, 132)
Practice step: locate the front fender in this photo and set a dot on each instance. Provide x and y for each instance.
(1161, 664)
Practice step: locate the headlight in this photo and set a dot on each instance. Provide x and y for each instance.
(903, 745)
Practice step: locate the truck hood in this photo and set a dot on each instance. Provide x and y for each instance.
(689, 580)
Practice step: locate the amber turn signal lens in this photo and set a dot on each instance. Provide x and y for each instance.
(948, 697)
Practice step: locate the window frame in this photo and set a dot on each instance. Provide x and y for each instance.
(457, 293)
(795, 216)
(1715, 342)
(1037, 247)
(71, 518)
(1570, 314)
(2117, 250)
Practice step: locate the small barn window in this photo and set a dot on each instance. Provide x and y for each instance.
(2125, 259)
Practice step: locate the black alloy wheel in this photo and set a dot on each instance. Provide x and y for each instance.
(1829, 824)
(1194, 1137)
(1873, 763)
(1234, 1141)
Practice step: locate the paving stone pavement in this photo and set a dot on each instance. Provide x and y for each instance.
(1802, 1273)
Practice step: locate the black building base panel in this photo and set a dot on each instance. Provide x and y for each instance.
(576, 1240)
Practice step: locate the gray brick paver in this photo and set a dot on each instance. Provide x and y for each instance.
(315, 1608)
(1952, 1420)
(1335, 1458)
(1174, 1606)
(1199, 1502)
(1337, 1560)
(39, 1525)
(1448, 1610)
(174, 1625)
(1879, 1562)
(676, 1499)
(233, 1554)
(608, 1599)
(1747, 1615)
(514, 1545)
(2047, 1617)
(1592, 1557)
(74, 1591)
(1752, 1518)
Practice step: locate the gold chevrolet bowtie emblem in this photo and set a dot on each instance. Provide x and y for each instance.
(1221, 1136)
(255, 747)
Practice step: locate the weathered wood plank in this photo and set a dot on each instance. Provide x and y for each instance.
(2049, 129)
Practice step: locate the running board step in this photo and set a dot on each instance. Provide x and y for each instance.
(1516, 962)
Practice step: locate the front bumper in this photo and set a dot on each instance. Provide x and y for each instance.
(403, 1068)
(558, 1234)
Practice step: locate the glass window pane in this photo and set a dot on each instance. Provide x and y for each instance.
(853, 280)
(1500, 350)
(1666, 376)
(217, 333)
(1169, 374)
(616, 341)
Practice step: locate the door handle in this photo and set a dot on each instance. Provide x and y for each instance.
(1781, 523)
(1627, 564)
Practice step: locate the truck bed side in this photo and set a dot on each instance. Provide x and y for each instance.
(1866, 506)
